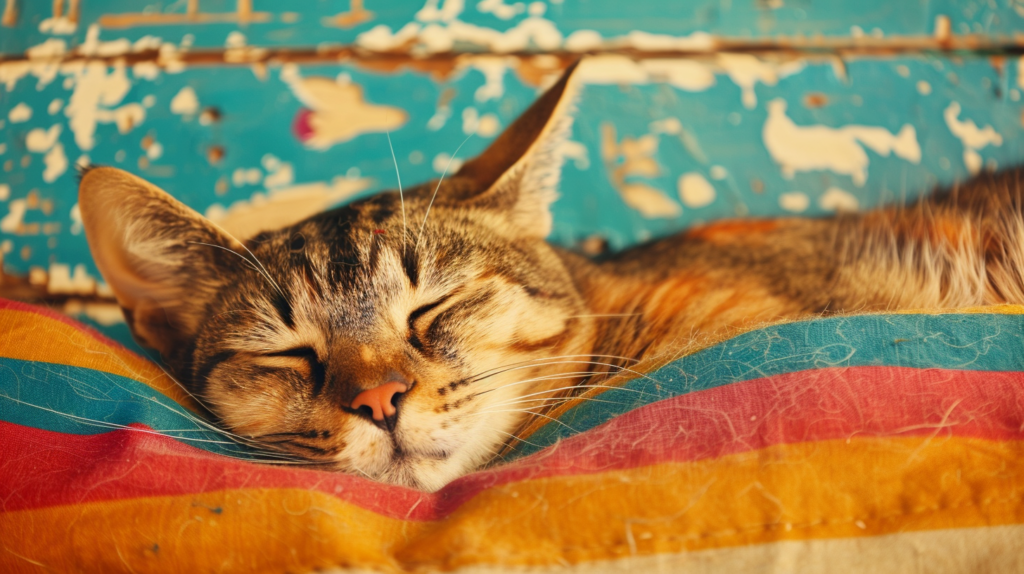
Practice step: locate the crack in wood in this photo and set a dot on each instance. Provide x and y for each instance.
(407, 57)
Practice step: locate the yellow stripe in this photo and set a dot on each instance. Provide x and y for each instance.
(813, 491)
(955, 551)
(33, 337)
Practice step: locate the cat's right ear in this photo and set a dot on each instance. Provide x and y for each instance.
(164, 261)
(518, 173)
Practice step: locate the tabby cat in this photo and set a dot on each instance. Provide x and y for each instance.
(405, 338)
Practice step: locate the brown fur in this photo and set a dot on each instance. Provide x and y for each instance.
(485, 322)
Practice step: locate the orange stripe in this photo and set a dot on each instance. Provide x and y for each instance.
(34, 337)
(834, 489)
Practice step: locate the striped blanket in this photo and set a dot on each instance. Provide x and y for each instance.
(874, 443)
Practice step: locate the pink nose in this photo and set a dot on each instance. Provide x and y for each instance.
(379, 399)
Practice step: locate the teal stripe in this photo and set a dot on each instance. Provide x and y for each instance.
(77, 400)
(981, 342)
(83, 401)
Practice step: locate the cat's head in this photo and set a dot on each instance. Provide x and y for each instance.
(375, 338)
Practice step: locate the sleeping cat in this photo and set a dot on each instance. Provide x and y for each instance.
(407, 338)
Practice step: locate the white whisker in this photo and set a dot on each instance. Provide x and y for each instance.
(401, 195)
(444, 173)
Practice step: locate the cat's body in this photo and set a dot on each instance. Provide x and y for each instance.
(407, 338)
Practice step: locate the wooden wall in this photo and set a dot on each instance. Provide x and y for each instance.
(256, 112)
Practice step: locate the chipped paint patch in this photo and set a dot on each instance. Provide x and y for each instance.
(20, 113)
(576, 151)
(444, 163)
(632, 158)
(840, 150)
(649, 202)
(695, 190)
(794, 201)
(106, 314)
(971, 136)
(486, 126)
(13, 222)
(500, 9)
(39, 140)
(60, 26)
(685, 74)
(56, 163)
(96, 92)
(336, 111)
(746, 71)
(493, 70)
(63, 281)
(282, 207)
(835, 199)
(279, 173)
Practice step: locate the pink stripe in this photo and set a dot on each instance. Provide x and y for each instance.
(43, 468)
(51, 314)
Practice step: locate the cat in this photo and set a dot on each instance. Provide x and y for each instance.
(407, 337)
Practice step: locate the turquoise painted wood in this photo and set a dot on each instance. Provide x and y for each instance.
(664, 137)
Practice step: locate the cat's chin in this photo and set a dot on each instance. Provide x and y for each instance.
(426, 473)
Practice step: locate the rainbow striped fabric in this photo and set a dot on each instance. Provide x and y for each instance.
(874, 443)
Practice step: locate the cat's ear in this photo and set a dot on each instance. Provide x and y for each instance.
(164, 261)
(519, 172)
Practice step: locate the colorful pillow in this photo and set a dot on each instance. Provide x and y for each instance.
(874, 443)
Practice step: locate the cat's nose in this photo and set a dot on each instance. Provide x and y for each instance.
(382, 403)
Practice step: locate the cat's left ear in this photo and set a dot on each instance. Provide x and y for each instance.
(164, 262)
(519, 172)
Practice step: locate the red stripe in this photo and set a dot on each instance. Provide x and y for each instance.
(41, 468)
(51, 314)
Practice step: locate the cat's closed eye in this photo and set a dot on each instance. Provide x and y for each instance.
(414, 318)
(312, 361)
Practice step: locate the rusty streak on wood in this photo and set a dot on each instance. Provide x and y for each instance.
(394, 59)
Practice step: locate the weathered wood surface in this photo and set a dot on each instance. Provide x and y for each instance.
(692, 110)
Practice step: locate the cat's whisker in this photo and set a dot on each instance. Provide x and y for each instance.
(596, 363)
(444, 173)
(105, 424)
(533, 366)
(556, 357)
(527, 411)
(260, 269)
(188, 416)
(552, 401)
(526, 398)
(554, 377)
(556, 390)
(401, 195)
(522, 440)
(200, 421)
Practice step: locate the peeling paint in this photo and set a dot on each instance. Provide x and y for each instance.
(20, 113)
(281, 207)
(96, 90)
(14, 220)
(794, 201)
(812, 148)
(836, 199)
(39, 140)
(694, 190)
(63, 281)
(337, 111)
(971, 136)
(184, 102)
